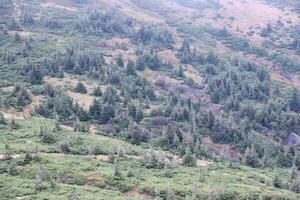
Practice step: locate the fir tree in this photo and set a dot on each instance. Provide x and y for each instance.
(117, 170)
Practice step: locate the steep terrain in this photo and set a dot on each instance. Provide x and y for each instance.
(140, 99)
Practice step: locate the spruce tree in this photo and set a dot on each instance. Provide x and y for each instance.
(39, 179)
(2, 119)
(250, 157)
(210, 120)
(120, 61)
(276, 180)
(80, 88)
(130, 70)
(294, 172)
(13, 124)
(189, 159)
(294, 102)
(7, 152)
(97, 92)
(181, 72)
(139, 115)
(264, 161)
(117, 170)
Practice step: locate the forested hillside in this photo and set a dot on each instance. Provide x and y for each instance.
(149, 99)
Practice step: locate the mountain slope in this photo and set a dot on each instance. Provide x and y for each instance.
(190, 91)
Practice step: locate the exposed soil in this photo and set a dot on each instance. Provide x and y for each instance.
(289, 79)
(69, 82)
(67, 5)
(10, 113)
(221, 149)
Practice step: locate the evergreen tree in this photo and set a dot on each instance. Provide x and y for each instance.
(276, 180)
(7, 152)
(210, 120)
(12, 168)
(120, 61)
(139, 115)
(107, 113)
(215, 97)
(250, 157)
(167, 172)
(181, 72)
(264, 162)
(17, 37)
(294, 172)
(80, 88)
(117, 170)
(13, 124)
(96, 110)
(82, 114)
(170, 195)
(189, 159)
(97, 92)
(281, 160)
(2, 119)
(39, 179)
(130, 70)
(35, 75)
(294, 102)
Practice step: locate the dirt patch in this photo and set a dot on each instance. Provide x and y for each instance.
(23, 34)
(166, 83)
(193, 74)
(135, 194)
(289, 79)
(10, 113)
(101, 157)
(244, 16)
(7, 88)
(169, 56)
(69, 82)
(221, 149)
(116, 43)
(174, 159)
(139, 13)
(66, 5)
(85, 100)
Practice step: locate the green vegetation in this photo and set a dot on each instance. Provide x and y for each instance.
(86, 170)
(97, 102)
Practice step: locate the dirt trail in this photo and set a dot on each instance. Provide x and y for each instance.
(175, 159)
(60, 5)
